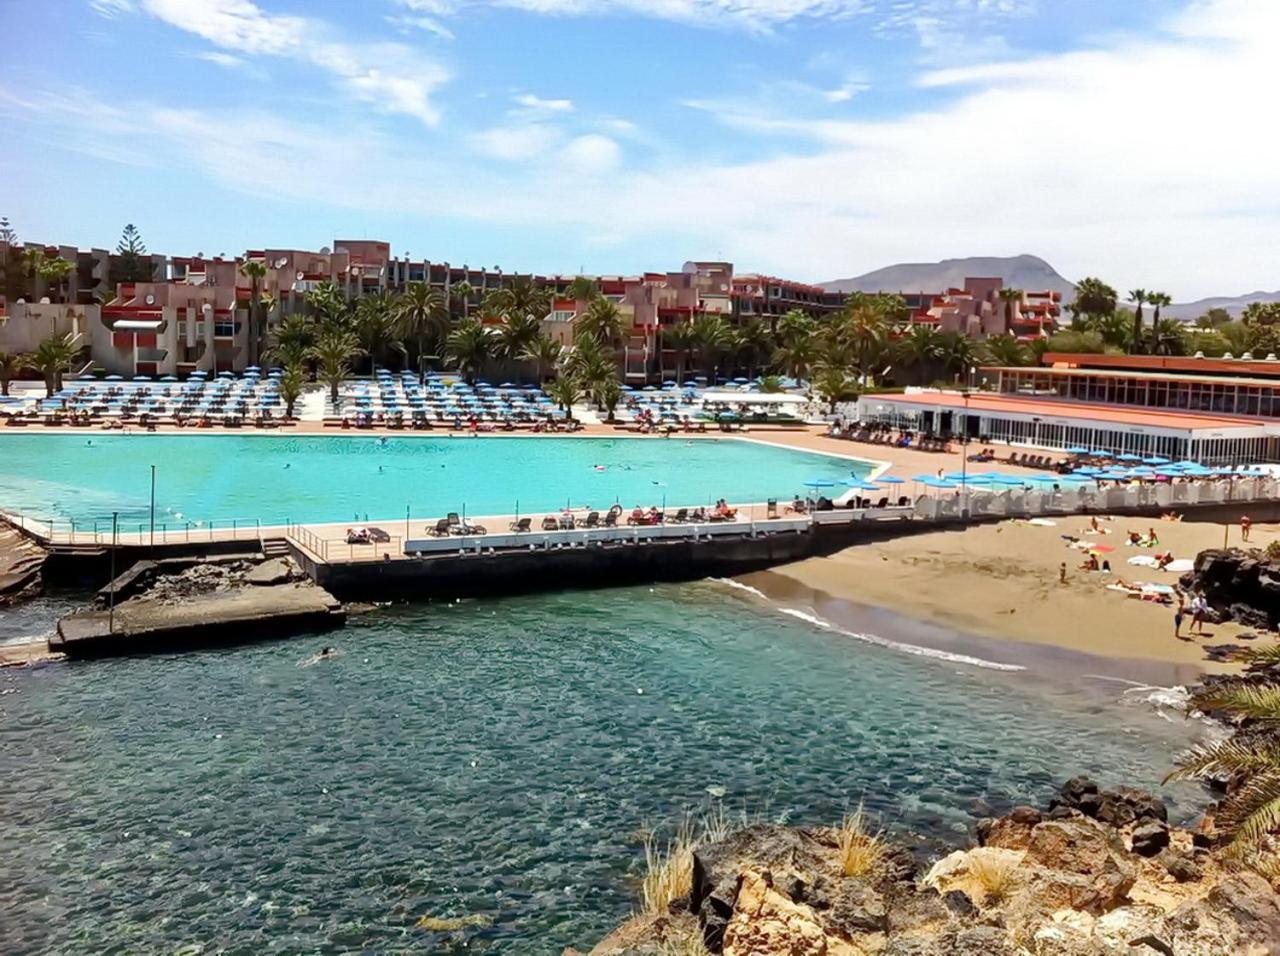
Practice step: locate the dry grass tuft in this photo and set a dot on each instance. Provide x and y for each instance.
(860, 850)
(668, 874)
(994, 874)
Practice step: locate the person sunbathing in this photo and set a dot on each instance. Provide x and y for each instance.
(1090, 563)
(797, 507)
(1164, 560)
(724, 511)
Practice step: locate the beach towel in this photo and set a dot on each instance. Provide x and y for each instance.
(1182, 564)
(1043, 523)
(1144, 560)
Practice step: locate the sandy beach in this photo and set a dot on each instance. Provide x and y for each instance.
(1001, 582)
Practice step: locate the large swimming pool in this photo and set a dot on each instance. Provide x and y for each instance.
(274, 478)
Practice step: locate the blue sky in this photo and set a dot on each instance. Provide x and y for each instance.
(809, 138)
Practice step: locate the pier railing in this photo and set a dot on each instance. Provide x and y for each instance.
(72, 531)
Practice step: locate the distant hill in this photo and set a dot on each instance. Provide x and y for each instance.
(1020, 272)
(1234, 304)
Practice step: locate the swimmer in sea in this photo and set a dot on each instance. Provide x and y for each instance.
(326, 653)
(286, 464)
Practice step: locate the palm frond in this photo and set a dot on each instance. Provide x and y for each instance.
(1251, 812)
(1261, 655)
(1227, 758)
(1261, 702)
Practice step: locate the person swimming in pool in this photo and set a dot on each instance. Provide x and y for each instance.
(326, 653)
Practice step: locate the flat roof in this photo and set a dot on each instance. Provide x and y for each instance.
(1164, 363)
(1094, 414)
(1152, 376)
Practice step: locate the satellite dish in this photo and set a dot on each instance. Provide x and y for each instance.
(299, 275)
(282, 262)
(150, 299)
(22, 302)
(355, 270)
(44, 300)
(324, 250)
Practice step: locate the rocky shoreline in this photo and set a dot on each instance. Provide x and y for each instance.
(1096, 872)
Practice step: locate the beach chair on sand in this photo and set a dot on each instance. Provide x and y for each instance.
(550, 523)
(882, 503)
(593, 520)
(441, 530)
(522, 525)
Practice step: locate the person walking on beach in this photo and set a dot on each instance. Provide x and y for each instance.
(1199, 607)
(1177, 618)
(1062, 573)
(1245, 524)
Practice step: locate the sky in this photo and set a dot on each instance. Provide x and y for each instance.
(813, 139)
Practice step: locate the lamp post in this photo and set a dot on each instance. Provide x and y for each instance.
(153, 509)
(964, 458)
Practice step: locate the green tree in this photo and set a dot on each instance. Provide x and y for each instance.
(864, 327)
(795, 324)
(1261, 313)
(461, 292)
(755, 345)
(834, 384)
(796, 356)
(520, 297)
(255, 271)
(771, 384)
(51, 270)
(601, 319)
(544, 353)
(1137, 297)
(1094, 298)
(422, 318)
(12, 265)
(1157, 300)
(327, 304)
(608, 395)
(468, 347)
(291, 383)
(919, 349)
(375, 328)
(52, 357)
(958, 355)
(1213, 318)
(680, 339)
(565, 392)
(291, 341)
(1250, 811)
(582, 289)
(516, 334)
(11, 366)
(1005, 351)
(333, 351)
(131, 263)
(1074, 340)
(710, 336)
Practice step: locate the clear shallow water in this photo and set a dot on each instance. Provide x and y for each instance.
(493, 758)
(277, 478)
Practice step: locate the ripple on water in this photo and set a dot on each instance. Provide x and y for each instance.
(493, 758)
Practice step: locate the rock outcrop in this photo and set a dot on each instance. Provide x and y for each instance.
(1240, 586)
(21, 567)
(1101, 872)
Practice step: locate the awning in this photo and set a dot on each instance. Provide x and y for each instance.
(137, 325)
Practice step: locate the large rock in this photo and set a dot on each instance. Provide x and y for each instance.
(765, 923)
(270, 573)
(1118, 808)
(1012, 831)
(788, 854)
(1150, 837)
(1072, 864)
(1240, 916)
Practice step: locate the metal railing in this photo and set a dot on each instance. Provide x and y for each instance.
(98, 531)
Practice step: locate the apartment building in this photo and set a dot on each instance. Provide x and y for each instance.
(979, 310)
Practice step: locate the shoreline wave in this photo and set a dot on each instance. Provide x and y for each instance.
(809, 617)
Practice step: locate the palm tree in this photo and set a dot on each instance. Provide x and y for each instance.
(327, 303)
(1251, 809)
(1159, 300)
(1137, 296)
(375, 329)
(421, 317)
(51, 270)
(255, 271)
(601, 319)
(771, 384)
(521, 297)
(958, 354)
(864, 327)
(462, 291)
(595, 371)
(291, 387)
(52, 357)
(582, 289)
(794, 357)
(680, 339)
(517, 333)
(834, 384)
(333, 351)
(565, 392)
(291, 341)
(1012, 299)
(710, 336)
(608, 395)
(920, 347)
(756, 344)
(468, 347)
(11, 363)
(543, 352)
(796, 324)
(1004, 350)
(1094, 298)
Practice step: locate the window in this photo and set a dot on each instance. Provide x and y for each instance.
(224, 329)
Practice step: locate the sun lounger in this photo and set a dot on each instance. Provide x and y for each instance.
(593, 520)
(524, 524)
(441, 529)
(611, 519)
(550, 523)
(681, 516)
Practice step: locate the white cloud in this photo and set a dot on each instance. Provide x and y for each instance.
(514, 143)
(390, 76)
(591, 154)
(530, 101)
(407, 23)
(220, 59)
(111, 8)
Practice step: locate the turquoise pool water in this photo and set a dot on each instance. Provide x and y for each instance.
(308, 479)
(493, 758)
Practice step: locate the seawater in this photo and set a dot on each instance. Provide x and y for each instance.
(278, 478)
(493, 758)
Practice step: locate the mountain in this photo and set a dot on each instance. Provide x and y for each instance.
(1234, 304)
(1020, 272)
